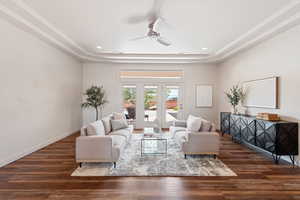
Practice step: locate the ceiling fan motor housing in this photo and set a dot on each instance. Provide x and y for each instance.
(153, 34)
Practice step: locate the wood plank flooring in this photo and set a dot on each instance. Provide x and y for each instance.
(45, 174)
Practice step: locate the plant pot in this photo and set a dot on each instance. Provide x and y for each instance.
(234, 110)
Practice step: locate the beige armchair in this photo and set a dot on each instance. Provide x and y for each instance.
(202, 143)
(196, 143)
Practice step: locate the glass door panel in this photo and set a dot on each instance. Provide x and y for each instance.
(129, 101)
(150, 103)
(172, 104)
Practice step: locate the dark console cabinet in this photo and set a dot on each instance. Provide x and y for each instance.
(278, 138)
(225, 122)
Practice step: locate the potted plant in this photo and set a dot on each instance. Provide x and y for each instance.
(95, 98)
(235, 95)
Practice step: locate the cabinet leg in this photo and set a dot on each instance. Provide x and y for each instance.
(276, 158)
(292, 157)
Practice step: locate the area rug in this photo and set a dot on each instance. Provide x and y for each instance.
(132, 163)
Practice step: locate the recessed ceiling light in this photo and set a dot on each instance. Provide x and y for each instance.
(204, 48)
(99, 47)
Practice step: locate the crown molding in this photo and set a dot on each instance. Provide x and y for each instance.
(281, 21)
(20, 14)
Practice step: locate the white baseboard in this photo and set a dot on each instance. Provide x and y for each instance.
(37, 147)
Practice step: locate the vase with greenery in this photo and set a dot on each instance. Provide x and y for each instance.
(95, 98)
(235, 95)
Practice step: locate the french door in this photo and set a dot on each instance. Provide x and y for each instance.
(162, 104)
(153, 104)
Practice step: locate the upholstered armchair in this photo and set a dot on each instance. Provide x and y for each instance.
(205, 141)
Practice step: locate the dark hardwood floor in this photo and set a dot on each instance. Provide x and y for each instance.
(45, 174)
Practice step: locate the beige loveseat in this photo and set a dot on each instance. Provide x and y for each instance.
(206, 141)
(99, 143)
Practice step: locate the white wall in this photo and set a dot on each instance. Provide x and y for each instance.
(279, 56)
(108, 75)
(40, 93)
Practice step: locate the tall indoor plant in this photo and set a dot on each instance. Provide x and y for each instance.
(235, 95)
(95, 98)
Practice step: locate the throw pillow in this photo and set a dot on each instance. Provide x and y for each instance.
(119, 116)
(95, 128)
(213, 128)
(107, 124)
(205, 126)
(193, 123)
(118, 124)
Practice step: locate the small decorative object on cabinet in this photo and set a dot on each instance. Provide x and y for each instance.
(280, 138)
(268, 116)
(235, 96)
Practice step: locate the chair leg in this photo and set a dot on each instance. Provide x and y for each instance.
(115, 164)
(184, 156)
(215, 156)
(80, 164)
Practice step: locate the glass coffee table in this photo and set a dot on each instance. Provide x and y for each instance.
(153, 144)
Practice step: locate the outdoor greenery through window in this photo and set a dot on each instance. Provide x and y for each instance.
(129, 102)
(150, 103)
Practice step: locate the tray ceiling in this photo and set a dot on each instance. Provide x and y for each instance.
(221, 26)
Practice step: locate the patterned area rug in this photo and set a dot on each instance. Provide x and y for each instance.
(132, 163)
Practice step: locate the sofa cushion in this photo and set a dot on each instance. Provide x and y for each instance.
(175, 129)
(95, 128)
(118, 141)
(213, 128)
(193, 123)
(179, 123)
(118, 116)
(181, 137)
(124, 132)
(107, 124)
(118, 124)
(130, 128)
(205, 125)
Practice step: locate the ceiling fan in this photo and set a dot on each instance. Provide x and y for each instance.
(153, 17)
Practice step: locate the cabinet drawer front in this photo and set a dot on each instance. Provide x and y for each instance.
(248, 129)
(287, 139)
(266, 135)
(225, 122)
(235, 127)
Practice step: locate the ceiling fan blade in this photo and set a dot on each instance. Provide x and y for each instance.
(137, 19)
(155, 12)
(157, 5)
(138, 38)
(150, 16)
(164, 22)
(163, 41)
